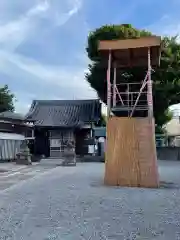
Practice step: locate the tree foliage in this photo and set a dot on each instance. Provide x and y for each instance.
(166, 78)
(6, 99)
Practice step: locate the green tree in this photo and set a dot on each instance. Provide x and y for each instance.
(102, 121)
(166, 78)
(6, 99)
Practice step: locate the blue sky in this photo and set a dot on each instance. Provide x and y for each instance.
(42, 42)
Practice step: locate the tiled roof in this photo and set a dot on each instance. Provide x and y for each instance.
(64, 113)
(11, 115)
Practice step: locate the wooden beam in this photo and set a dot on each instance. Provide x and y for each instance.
(143, 42)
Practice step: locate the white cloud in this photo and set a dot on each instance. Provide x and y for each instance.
(77, 6)
(62, 77)
(60, 17)
(168, 25)
(41, 7)
(14, 32)
(49, 81)
(22, 107)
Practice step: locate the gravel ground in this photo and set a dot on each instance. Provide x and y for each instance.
(72, 204)
(11, 174)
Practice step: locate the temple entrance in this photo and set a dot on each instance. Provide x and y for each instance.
(41, 143)
(58, 141)
(81, 144)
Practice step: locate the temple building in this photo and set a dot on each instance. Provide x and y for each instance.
(59, 121)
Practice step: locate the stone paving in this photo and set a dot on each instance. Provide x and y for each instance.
(71, 203)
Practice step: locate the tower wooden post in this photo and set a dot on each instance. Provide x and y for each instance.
(109, 85)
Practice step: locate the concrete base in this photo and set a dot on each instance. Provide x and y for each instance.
(69, 159)
(23, 159)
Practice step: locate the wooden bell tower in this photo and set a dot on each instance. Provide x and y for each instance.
(131, 150)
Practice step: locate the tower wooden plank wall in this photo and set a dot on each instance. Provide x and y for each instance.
(131, 153)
